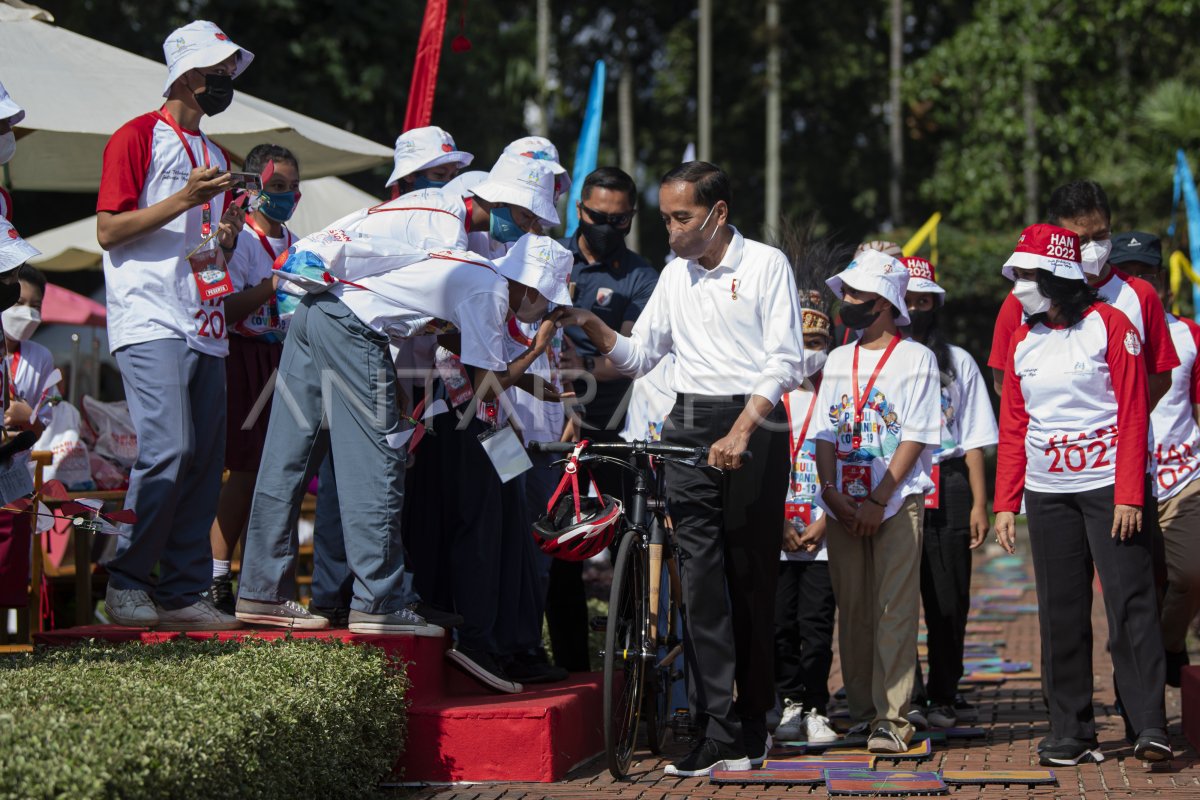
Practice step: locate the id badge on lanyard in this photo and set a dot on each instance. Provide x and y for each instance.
(206, 260)
(799, 514)
(934, 498)
(505, 451)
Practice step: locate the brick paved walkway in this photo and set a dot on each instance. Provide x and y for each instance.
(1012, 713)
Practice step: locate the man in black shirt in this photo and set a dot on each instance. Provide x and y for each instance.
(615, 283)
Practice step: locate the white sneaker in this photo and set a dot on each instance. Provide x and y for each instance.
(199, 616)
(791, 725)
(130, 607)
(817, 729)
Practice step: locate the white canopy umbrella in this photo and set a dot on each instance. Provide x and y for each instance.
(73, 246)
(66, 82)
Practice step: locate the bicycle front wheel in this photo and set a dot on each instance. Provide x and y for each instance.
(624, 659)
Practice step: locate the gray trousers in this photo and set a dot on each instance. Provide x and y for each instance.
(176, 399)
(336, 392)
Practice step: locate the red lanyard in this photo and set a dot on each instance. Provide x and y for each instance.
(514, 330)
(12, 384)
(861, 402)
(206, 209)
(798, 442)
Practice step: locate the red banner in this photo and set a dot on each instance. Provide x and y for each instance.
(425, 68)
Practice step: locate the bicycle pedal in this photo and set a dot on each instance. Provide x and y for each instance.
(598, 624)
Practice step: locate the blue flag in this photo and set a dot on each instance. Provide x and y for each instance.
(589, 144)
(1185, 186)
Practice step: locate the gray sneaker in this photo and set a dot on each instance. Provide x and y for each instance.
(285, 614)
(201, 615)
(130, 607)
(402, 620)
(885, 740)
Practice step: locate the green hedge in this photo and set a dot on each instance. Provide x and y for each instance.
(189, 719)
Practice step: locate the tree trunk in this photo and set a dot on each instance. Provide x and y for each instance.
(704, 83)
(1029, 111)
(774, 124)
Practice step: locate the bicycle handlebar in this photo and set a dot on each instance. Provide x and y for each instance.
(629, 448)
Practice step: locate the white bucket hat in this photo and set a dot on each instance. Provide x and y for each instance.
(464, 183)
(540, 148)
(198, 45)
(875, 271)
(424, 148)
(9, 110)
(15, 251)
(1047, 247)
(539, 262)
(522, 182)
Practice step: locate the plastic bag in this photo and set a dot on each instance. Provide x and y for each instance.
(61, 437)
(112, 430)
(107, 475)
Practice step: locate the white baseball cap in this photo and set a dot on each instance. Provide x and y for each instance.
(424, 148)
(540, 148)
(9, 110)
(522, 182)
(198, 45)
(875, 271)
(539, 262)
(14, 251)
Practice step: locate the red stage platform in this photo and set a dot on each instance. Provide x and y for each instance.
(457, 731)
(1189, 699)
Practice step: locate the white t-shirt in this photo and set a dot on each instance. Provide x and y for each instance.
(151, 292)
(1067, 394)
(1176, 453)
(968, 421)
(251, 265)
(804, 488)
(903, 406)
(650, 403)
(29, 380)
(538, 420)
(470, 294)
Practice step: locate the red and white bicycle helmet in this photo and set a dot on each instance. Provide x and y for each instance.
(576, 527)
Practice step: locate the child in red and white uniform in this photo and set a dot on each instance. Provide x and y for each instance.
(167, 227)
(1073, 426)
(804, 602)
(878, 422)
(10, 115)
(1175, 455)
(956, 516)
(257, 324)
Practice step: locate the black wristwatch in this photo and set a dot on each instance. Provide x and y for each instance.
(589, 363)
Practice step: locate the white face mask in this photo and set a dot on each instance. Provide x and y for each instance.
(815, 360)
(1032, 299)
(20, 322)
(8, 147)
(1095, 256)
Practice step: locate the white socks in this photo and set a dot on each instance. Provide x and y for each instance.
(220, 569)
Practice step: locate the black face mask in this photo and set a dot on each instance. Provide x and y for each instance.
(10, 293)
(858, 315)
(921, 322)
(606, 242)
(217, 94)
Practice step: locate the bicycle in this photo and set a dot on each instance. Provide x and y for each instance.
(644, 630)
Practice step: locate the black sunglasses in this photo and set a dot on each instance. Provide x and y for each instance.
(616, 220)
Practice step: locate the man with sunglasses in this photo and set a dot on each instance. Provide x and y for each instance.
(614, 283)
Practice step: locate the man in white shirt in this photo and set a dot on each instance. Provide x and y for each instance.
(167, 231)
(728, 310)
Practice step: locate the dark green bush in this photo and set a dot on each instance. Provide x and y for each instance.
(189, 719)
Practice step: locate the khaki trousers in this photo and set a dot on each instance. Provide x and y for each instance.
(877, 582)
(1180, 521)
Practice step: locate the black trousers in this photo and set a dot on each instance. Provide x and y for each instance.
(728, 528)
(1070, 537)
(804, 616)
(946, 584)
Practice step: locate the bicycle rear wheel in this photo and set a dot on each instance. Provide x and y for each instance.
(666, 670)
(624, 663)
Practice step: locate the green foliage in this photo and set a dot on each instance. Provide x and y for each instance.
(200, 720)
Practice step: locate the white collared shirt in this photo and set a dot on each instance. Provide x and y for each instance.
(735, 329)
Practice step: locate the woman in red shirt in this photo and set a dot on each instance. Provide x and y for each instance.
(1073, 423)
